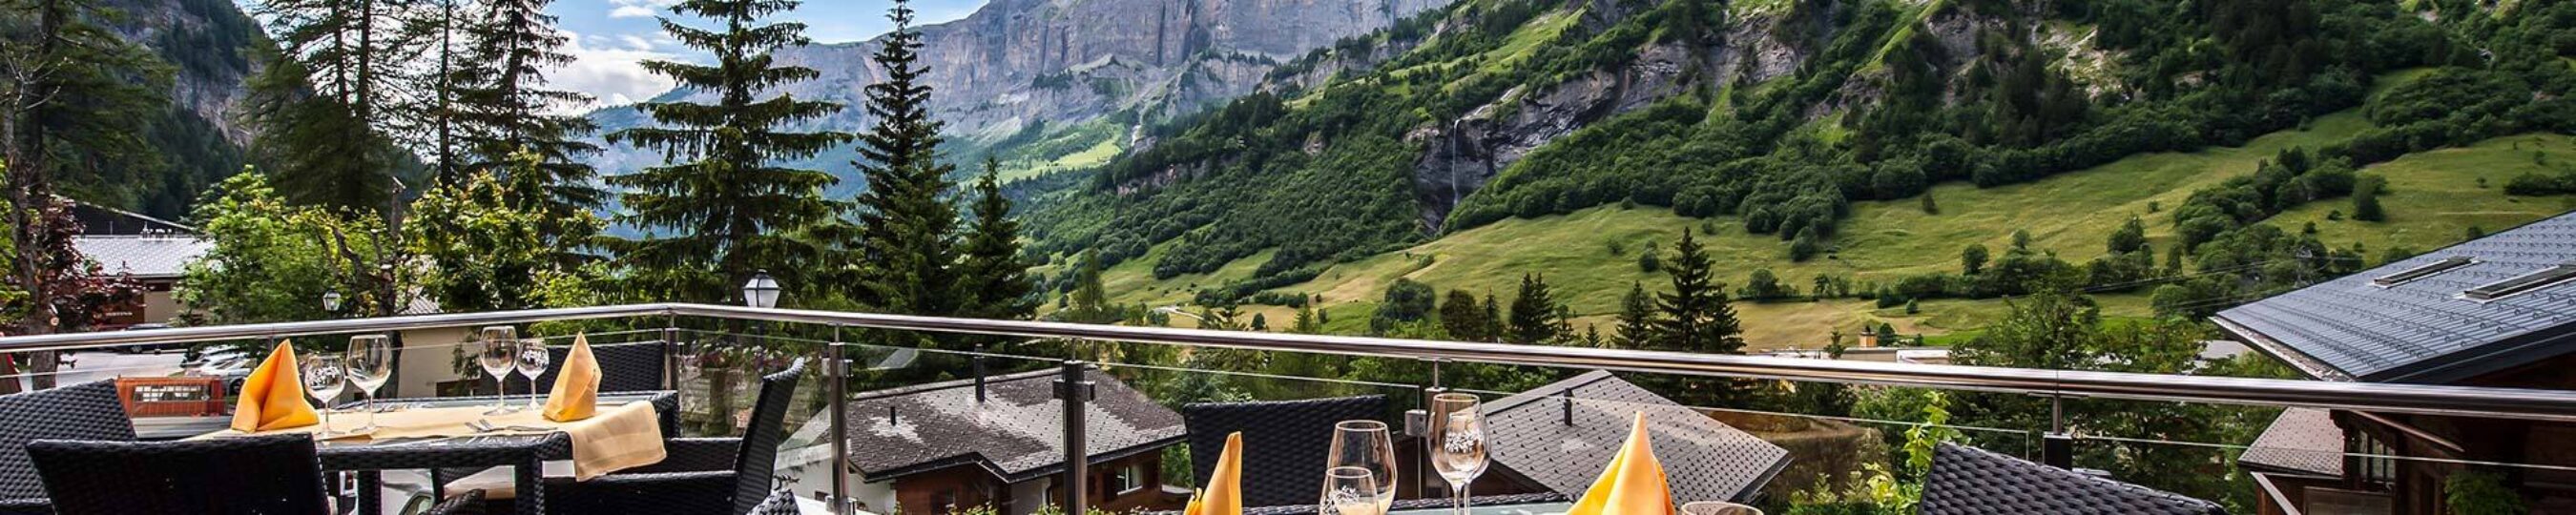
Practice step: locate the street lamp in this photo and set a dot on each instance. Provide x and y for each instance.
(331, 301)
(761, 291)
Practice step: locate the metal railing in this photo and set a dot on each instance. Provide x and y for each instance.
(2525, 404)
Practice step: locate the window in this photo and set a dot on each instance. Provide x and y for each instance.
(2371, 461)
(2522, 283)
(2426, 270)
(1127, 478)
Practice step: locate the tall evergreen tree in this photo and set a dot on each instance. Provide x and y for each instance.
(1636, 318)
(1537, 317)
(1695, 316)
(1463, 316)
(722, 208)
(906, 248)
(73, 97)
(326, 101)
(500, 95)
(993, 274)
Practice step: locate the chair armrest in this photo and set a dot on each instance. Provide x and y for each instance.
(693, 455)
(27, 506)
(468, 503)
(674, 493)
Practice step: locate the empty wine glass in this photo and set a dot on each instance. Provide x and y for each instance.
(370, 362)
(1349, 491)
(499, 353)
(1366, 444)
(1457, 442)
(1718, 508)
(532, 362)
(323, 378)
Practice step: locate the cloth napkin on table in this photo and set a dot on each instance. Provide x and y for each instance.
(1633, 484)
(576, 393)
(1224, 493)
(273, 397)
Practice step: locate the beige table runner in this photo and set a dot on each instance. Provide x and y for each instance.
(618, 438)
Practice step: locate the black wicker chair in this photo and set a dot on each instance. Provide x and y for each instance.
(713, 476)
(779, 502)
(1285, 440)
(86, 411)
(624, 367)
(252, 475)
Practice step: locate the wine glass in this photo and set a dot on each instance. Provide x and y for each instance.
(323, 378)
(532, 362)
(1350, 491)
(499, 353)
(1718, 508)
(1457, 442)
(370, 363)
(1366, 444)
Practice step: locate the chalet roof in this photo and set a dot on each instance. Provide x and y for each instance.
(2417, 320)
(1704, 459)
(1015, 433)
(147, 257)
(1969, 481)
(2301, 440)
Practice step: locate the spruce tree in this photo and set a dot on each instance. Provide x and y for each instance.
(327, 101)
(73, 98)
(1695, 316)
(1491, 323)
(1463, 317)
(1537, 317)
(905, 247)
(721, 208)
(994, 276)
(1636, 318)
(502, 101)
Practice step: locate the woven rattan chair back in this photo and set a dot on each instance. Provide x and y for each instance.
(251, 475)
(1285, 440)
(758, 460)
(86, 411)
(623, 367)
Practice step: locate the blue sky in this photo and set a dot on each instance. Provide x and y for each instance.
(611, 36)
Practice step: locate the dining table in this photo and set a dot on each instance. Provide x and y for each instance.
(526, 452)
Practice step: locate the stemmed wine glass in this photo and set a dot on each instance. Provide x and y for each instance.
(1457, 442)
(499, 353)
(1350, 491)
(370, 362)
(323, 378)
(532, 362)
(1367, 445)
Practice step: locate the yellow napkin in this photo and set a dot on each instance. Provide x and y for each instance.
(1632, 485)
(1224, 493)
(273, 397)
(576, 394)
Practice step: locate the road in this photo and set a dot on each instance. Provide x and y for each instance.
(95, 365)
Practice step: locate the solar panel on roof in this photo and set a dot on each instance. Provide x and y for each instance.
(2427, 270)
(2523, 283)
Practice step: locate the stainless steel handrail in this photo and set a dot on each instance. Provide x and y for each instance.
(2380, 397)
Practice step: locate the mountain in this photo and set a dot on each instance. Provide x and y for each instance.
(1489, 138)
(200, 136)
(1030, 68)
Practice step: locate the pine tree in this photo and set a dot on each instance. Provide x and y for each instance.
(501, 99)
(1537, 317)
(1090, 300)
(721, 209)
(905, 243)
(1636, 317)
(1463, 317)
(993, 275)
(1695, 316)
(1491, 323)
(327, 101)
(73, 99)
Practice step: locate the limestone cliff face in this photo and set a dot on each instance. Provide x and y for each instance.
(208, 46)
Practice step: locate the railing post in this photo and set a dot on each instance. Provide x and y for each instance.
(837, 369)
(1075, 389)
(671, 352)
(1417, 424)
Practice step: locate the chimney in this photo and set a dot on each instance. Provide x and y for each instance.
(1568, 396)
(1868, 340)
(978, 360)
(891, 419)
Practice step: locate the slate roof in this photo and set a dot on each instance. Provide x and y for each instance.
(2423, 330)
(2301, 440)
(1969, 481)
(1015, 434)
(147, 257)
(1703, 459)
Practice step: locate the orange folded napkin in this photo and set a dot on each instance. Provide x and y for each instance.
(1633, 484)
(576, 393)
(273, 397)
(1224, 493)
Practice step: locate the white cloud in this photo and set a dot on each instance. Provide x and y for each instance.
(610, 69)
(638, 8)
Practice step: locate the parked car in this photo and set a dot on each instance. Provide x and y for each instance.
(149, 347)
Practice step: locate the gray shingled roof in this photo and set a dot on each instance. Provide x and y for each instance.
(2303, 440)
(1015, 434)
(2423, 331)
(1704, 460)
(147, 257)
(1969, 481)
